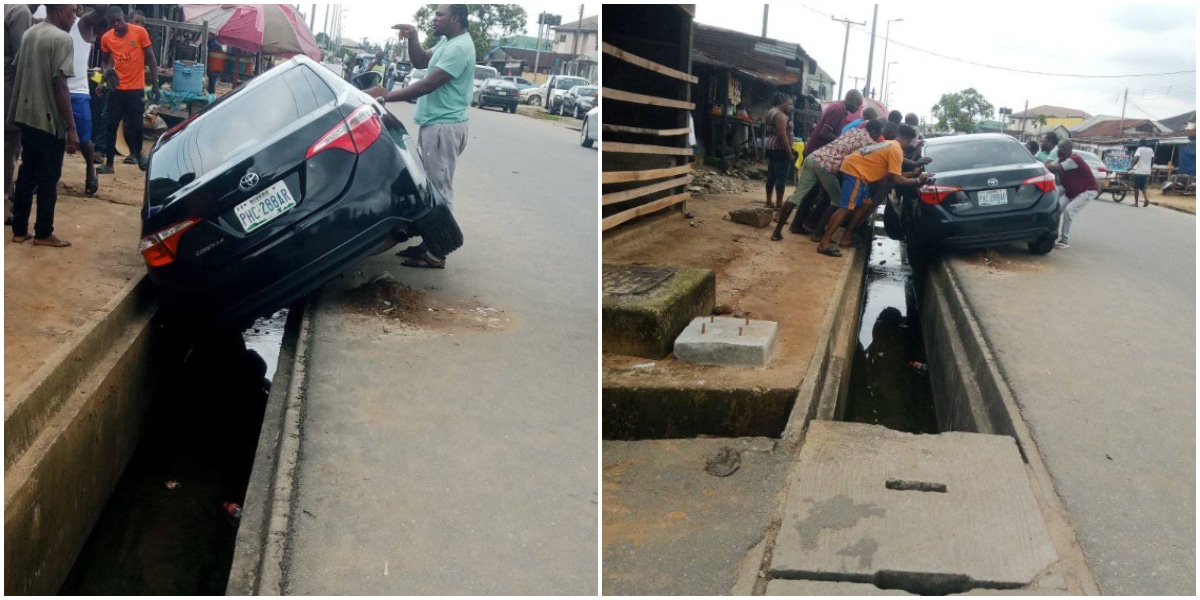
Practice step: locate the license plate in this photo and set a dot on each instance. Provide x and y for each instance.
(265, 206)
(992, 197)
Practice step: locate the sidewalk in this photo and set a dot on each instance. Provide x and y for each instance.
(50, 292)
(669, 526)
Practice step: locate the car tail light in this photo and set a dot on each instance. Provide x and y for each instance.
(159, 249)
(1044, 182)
(354, 134)
(1101, 169)
(934, 194)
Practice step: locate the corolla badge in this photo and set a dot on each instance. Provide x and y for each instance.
(249, 181)
(993, 182)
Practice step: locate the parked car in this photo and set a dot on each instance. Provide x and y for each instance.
(317, 177)
(534, 95)
(413, 77)
(1100, 170)
(987, 190)
(520, 82)
(578, 100)
(558, 86)
(497, 92)
(589, 132)
(482, 74)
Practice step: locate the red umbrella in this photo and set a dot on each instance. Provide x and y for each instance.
(265, 28)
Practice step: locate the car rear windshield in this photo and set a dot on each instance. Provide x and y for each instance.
(567, 83)
(242, 120)
(976, 154)
(589, 92)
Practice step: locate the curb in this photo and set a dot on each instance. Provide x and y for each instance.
(39, 398)
(260, 549)
(992, 406)
(830, 362)
(1175, 208)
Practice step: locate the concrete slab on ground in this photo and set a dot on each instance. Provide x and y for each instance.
(807, 587)
(644, 317)
(670, 528)
(931, 513)
(727, 341)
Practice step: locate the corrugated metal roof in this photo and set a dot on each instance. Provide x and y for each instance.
(1054, 112)
(773, 61)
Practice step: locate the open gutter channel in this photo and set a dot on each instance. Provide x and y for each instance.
(167, 527)
(888, 382)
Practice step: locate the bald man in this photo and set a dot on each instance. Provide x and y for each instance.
(1079, 186)
(829, 126)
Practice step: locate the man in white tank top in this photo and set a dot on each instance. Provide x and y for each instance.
(82, 37)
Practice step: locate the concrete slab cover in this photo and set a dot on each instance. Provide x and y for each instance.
(620, 280)
(927, 513)
(727, 341)
(808, 587)
(647, 324)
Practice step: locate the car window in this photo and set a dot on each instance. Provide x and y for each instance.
(482, 72)
(1088, 156)
(568, 83)
(195, 151)
(590, 92)
(976, 154)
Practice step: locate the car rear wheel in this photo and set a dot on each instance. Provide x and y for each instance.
(584, 140)
(535, 100)
(1043, 245)
(891, 223)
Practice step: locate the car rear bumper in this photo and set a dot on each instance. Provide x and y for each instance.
(505, 100)
(941, 229)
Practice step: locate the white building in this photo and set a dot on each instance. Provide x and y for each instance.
(581, 39)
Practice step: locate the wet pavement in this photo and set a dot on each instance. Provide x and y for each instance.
(886, 388)
(164, 530)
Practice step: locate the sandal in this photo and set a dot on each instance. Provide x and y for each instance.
(423, 263)
(129, 160)
(417, 251)
(21, 239)
(830, 250)
(105, 170)
(52, 241)
(91, 186)
(775, 237)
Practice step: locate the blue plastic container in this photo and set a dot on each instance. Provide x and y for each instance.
(188, 78)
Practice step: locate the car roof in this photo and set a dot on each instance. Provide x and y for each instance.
(970, 137)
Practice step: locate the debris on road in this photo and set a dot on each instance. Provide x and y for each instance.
(724, 463)
(232, 509)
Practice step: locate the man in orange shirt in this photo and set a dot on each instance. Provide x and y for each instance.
(860, 169)
(127, 50)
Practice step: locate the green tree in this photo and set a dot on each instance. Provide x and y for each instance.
(486, 22)
(1040, 121)
(961, 111)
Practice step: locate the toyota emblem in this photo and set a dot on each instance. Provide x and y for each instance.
(993, 182)
(249, 181)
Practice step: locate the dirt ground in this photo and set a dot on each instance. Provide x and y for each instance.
(49, 292)
(786, 282)
(537, 112)
(1176, 201)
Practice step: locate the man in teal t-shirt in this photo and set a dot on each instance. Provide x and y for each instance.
(443, 96)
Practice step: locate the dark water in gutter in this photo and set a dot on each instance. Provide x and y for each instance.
(164, 530)
(885, 388)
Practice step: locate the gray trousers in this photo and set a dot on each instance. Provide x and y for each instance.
(440, 146)
(1071, 208)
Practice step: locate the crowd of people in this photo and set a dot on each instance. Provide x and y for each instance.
(854, 159)
(55, 106)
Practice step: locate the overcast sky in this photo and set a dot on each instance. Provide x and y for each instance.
(1091, 39)
(374, 21)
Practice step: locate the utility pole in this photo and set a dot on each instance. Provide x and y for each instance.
(325, 29)
(845, 47)
(871, 57)
(856, 80)
(537, 57)
(312, 18)
(887, 67)
(578, 38)
(1121, 131)
(1024, 114)
(766, 9)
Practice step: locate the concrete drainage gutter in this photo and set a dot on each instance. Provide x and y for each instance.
(69, 432)
(260, 551)
(974, 396)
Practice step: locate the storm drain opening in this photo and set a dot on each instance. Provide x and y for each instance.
(889, 383)
(170, 523)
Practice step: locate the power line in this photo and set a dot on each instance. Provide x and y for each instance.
(1011, 70)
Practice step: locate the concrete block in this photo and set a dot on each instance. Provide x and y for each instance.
(646, 324)
(727, 341)
(755, 217)
(935, 514)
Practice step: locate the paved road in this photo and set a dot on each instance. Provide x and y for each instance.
(1098, 343)
(465, 464)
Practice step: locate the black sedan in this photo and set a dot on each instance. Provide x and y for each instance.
(988, 190)
(495, 91)
(578, 101)
(275, 189)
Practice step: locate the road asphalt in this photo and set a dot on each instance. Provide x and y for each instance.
(1098, 345)
(462, 461)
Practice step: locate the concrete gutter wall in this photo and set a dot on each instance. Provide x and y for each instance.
(972, 395)
(260, 549)
(69, 433)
